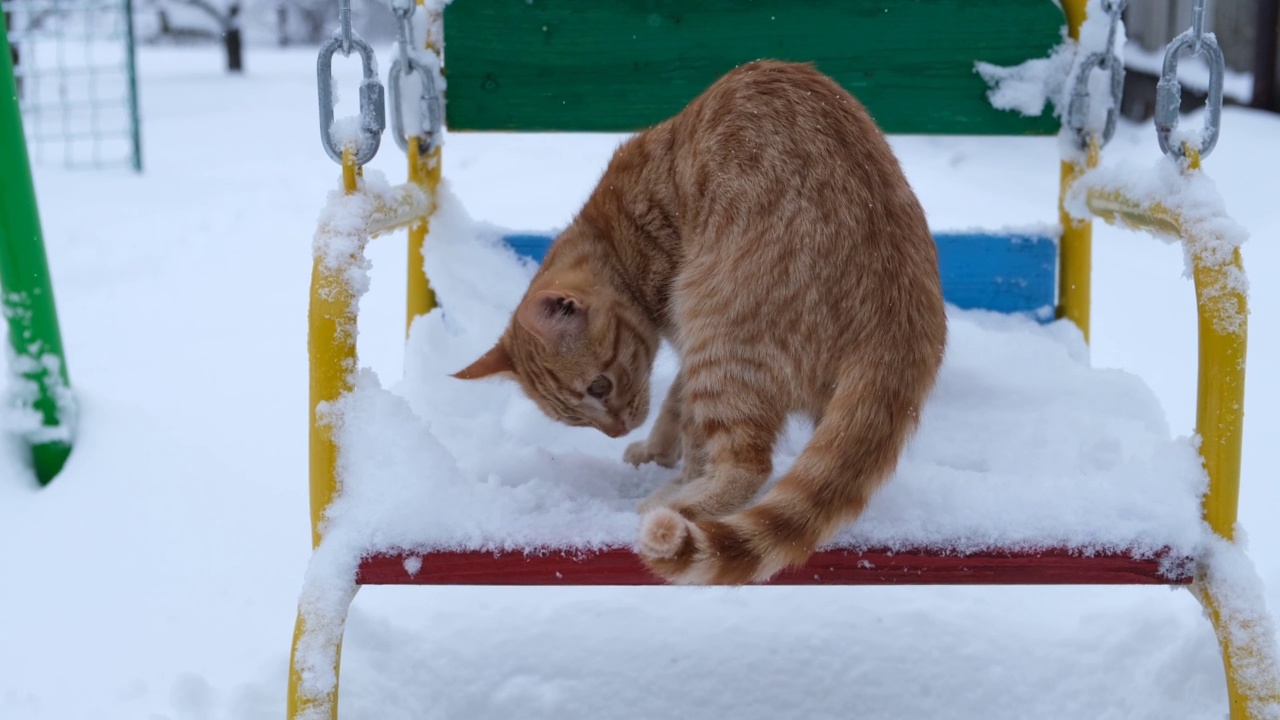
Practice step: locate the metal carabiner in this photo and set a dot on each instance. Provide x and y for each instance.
(1078, 105)
(373, 112)
(429, 104)
(1169, 93)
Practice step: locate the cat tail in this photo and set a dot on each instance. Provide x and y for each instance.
(854, 448)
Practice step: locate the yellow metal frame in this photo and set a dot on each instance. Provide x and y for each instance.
(1219, 410)
(1075, 248)
(1219, 416)
(1220, 381)
(331, 347)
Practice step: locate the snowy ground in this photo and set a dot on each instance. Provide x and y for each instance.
(156, 578)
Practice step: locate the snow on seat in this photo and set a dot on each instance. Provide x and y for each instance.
(1023, 451)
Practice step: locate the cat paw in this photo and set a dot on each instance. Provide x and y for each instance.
(638, 453)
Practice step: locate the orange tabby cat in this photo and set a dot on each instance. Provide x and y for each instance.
(769, 234)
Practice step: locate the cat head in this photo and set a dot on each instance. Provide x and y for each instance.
(578, 355)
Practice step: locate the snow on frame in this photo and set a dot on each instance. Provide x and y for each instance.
(1026, 88)
(1211, 236)
(1239, 598)
(1022, 444)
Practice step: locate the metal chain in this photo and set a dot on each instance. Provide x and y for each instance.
(1078, 107)
(1197, 23)
(1169, 90)
(429, 101)
(403, 10)
(344, 26)
(373, 113)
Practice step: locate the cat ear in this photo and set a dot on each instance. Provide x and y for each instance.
(496, 361)
(553, 316)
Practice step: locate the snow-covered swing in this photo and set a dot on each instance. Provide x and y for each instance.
(402, 494)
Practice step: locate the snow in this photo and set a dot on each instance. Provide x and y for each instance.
(347, 132)
(1210, 237)
(1028, 86)
(415, 114)
(1231, 577)
(19, 414)
(158, 576)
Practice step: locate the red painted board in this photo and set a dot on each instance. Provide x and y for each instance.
(620, 566)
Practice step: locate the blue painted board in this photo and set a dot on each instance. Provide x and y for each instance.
(1009, 273)
(1003, 272)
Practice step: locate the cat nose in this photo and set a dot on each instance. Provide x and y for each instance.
(616, 429)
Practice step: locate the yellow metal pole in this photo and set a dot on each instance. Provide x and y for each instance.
(1222, 312)
(1247, 648)
(1075, 253)
(1220, 393)
(424, 171)
(1220, 382)
(332, 352)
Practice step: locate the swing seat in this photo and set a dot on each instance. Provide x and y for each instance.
(1029, 466)
(1037, 469)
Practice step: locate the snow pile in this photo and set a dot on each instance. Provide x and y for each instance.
(1022, 444)
(1026, 87)
(347, 132)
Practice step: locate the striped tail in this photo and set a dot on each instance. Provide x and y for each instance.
(854, 449)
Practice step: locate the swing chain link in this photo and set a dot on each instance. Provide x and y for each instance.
(1078, 106)
(1169, 90)
(1197, 24)
(373, 113)
(344, 26)
(429, 101)
(403, 10)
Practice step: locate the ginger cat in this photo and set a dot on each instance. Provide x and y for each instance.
(768, 233)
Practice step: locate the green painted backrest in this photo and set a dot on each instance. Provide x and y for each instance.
(621, 65)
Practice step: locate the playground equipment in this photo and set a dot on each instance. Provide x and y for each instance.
(40, 369)
(77, 81)
(611, 65)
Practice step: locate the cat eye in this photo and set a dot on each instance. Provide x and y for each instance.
(600, 388)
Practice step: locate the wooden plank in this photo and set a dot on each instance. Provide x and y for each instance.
(620, 566)
(1009, 273)
(1003, 273)
(618, 65)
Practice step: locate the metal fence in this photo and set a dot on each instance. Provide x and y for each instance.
(77, 81)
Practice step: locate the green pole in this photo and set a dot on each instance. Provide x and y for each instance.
(135, 125)
(26, 296)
